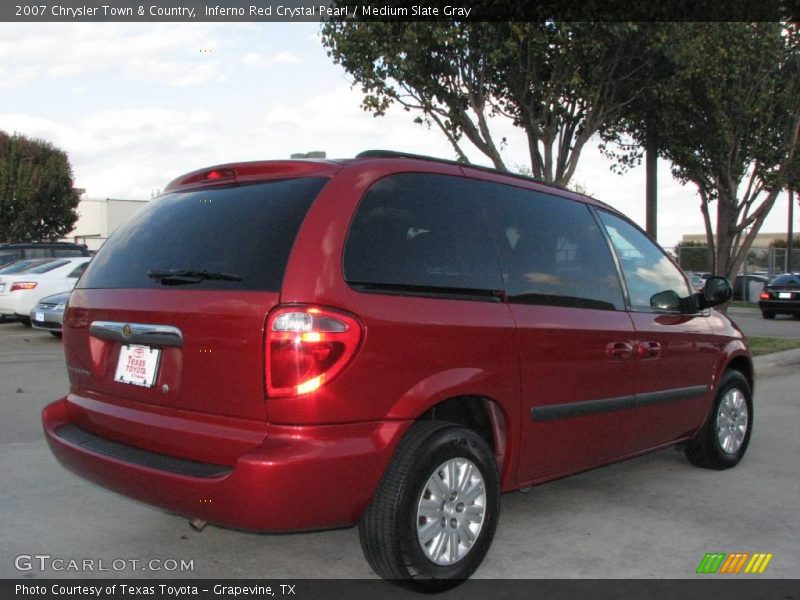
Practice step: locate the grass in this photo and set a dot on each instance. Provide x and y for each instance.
(740, 304)
(767, 345)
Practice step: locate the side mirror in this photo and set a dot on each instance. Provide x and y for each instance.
(666, 300)
(718, 290)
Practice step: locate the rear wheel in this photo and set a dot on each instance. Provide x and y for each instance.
(434, 515)
(25, 321)
(723, 440)
(56, 334)
(767, 315)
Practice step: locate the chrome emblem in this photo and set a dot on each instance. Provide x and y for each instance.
(126, 331)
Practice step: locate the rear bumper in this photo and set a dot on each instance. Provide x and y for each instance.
(300, 478)
(15, 304)
(780, 306)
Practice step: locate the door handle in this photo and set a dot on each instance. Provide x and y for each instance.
(648, 350)
(619, 350)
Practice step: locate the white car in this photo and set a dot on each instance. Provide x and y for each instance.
(20, 292)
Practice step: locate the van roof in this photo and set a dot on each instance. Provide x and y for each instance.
(263, 170)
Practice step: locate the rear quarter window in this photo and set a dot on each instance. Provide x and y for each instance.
(246, 231)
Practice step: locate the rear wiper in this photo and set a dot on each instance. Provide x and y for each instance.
(181, 276)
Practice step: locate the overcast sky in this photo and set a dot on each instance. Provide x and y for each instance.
(135, 105)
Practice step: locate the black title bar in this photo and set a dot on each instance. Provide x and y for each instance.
(387, 10)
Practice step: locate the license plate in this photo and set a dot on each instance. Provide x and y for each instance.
(39, 316)
(137, 365)
(785, 295)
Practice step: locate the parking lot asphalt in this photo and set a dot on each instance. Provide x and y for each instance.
(753, 324)
(650, 517)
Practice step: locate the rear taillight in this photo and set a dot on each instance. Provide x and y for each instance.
(306, 347)
(22, 285)
(764, 295)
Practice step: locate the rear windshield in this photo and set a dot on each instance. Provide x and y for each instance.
(22, 265)
(786, 279)
(244, 233)
(46, 267)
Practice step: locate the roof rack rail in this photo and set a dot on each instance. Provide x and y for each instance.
(395, 154)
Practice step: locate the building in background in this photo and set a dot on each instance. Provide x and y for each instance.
(761, 241)
(99, 217)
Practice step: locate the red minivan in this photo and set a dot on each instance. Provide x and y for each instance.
(389, 341)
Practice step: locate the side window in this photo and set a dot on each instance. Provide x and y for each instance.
(551, 249)
(648, 271)
(421, 232)
(38, 253)
(67, 252)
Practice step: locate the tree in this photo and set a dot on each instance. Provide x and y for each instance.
(37, 199)
(560, 83)
(729, 123)
(636, 133)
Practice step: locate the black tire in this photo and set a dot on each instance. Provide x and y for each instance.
(767, 314)
(56, 334)
(388, 530)
(706, 450)
(25, 321)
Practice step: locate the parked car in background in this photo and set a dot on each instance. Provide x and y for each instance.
(18, 266)
(20, 292)
(389, 341)
(781, 296)
(48, 314)
(13, 251)
(742, 283)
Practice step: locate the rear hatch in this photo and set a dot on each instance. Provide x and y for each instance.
(169, 317)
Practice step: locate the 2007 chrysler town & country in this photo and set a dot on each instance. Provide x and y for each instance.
(391, 341)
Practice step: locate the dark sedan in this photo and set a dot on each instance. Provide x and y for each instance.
(781, 296)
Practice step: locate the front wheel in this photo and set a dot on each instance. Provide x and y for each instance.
(723, 440)
(768, 315)
(434, 515)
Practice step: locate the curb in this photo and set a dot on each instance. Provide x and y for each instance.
(778, 359)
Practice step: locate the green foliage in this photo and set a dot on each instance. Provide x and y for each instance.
(37, 198)
(560, 83)
(724, 109)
